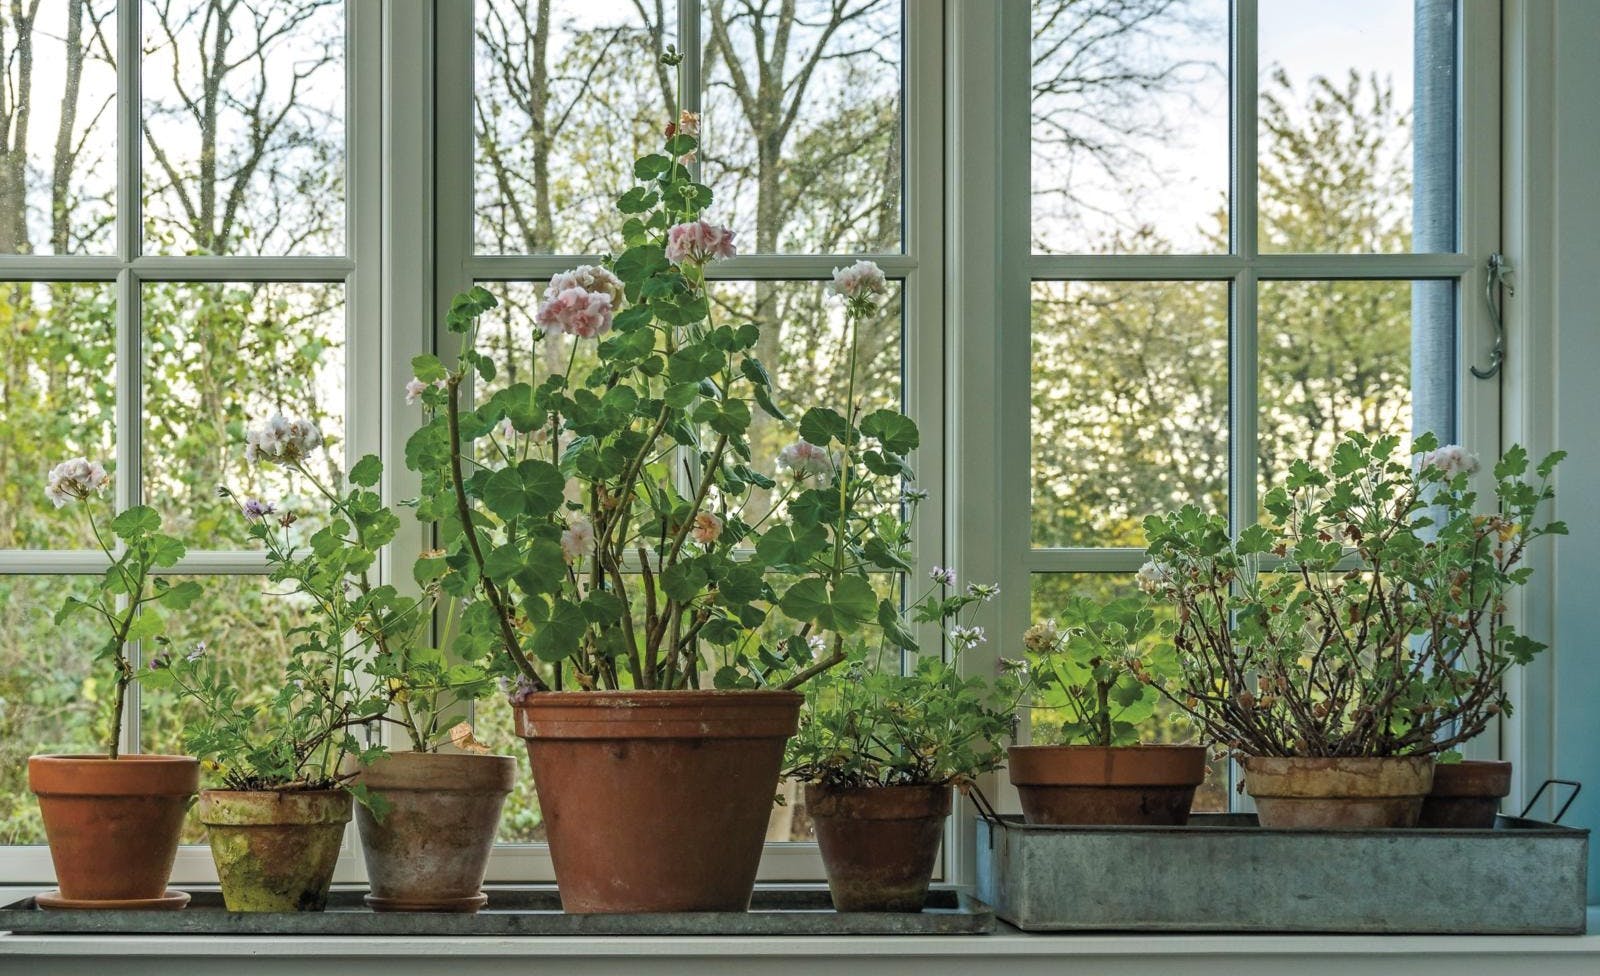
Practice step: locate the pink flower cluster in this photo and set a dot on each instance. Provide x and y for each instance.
(699, 242)
(806, 460)
(860, 280)
(75, 478)
(579, 302)
(1452, 459)
(578, 539)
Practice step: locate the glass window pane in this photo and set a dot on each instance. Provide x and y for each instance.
(244, 109)
(1335, 356)
(53, 697)
(1130, 406)
(57, 401)
(803, 123)
(1130, 127)
(1169, 724)
(554, 147)
(58, 140)
(218, 358)
(1346, 120)
(805, 346)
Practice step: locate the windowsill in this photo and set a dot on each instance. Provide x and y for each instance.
(1023, 952)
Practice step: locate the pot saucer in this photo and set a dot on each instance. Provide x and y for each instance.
(466, 905)
(171, 901)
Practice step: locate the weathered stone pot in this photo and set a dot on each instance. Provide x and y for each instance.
(1466, 794)
(113, 826)
(1338, 792)
(656, 801)
(1147, 785)
(430, 850)
(878, 844)
(275, 851)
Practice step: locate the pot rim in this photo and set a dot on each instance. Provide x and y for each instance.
(436, 772)
(688, 714)
(902, 801)
(1156, 764)
(1325, 777)
(94, 774)
(299, 808)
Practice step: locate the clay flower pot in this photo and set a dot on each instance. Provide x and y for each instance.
(430, 850)
(113, 826)
(1466, 794)
(1338, 792)
(656, 801)
(1148, 785)
(275, 851)
(878, 843)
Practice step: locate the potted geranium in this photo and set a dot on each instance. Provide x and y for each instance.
(879, 753)
(1094, 670)
(1341, 645)
(114, 820)
(594, 520)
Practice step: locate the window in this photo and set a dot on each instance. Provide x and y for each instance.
(186, 241)
(1204, 309)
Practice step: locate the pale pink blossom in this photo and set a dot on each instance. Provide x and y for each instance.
(859, 281)
(1452, 459)
(281, 440)
(707, 528)
(699, 241)
(1153, 577)
(415, 388)
(589, 277)
(806, 460)
(576, 312)
(688, 124)
(942, 576)
(78, 478)
(577, 540)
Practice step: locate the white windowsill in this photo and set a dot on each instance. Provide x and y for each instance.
(1022, 953)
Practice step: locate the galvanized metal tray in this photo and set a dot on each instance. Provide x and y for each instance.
(1225, 873)
(513, 911)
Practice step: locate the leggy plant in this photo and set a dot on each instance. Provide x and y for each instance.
(1093, 664)
(1366, 616)
(130, 594)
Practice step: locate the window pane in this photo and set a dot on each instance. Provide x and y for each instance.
(805, 346)
(802, 129)
(1169, 724)
(1335, 356)
(53, 697)
(57, 396)
(246, 628)
(58, 141)
(243, 127)
(568, 94)
(1130, 406)
(1130, 126)
(218, 358)
(1343, 112)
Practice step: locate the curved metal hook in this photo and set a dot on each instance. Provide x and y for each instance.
(1494, 284)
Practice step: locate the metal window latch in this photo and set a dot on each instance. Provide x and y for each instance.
(1496, 287)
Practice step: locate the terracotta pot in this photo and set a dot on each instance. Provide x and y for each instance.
(657, 801)
(878, 843)
(430, 850)
(113, 824)
(1149, 785)
(1466, 794)
(1338, 792)
(275, 851)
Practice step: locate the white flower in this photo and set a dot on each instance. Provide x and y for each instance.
(507, 432)
(707, 528)
(966, 638)
(577, 540)
(942, 576)
(1041, 637)
(983, 591)
(281, 440)
(819, 647)
(78, 477)
(806, 460)
(415, 389)
(1153, 577)
(1452, 460)
(859, 281)
(914, 495)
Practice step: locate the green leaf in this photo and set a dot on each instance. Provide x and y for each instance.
(791, 545)
(136, 523)
(893, 429)
(181, 595)
(822, 424)
(651, 166)
(428, 368)
(557, 637)
(843, 608)
(686, 580)
(367, 471)
(533, 487)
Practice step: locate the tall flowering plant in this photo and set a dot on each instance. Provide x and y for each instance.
(1288, 646)
(132, 593)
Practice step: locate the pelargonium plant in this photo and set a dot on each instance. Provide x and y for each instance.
(1366, 616)
(595, 522)
(1094, 664)
(866, 725)
(361, 659)
(131, 593)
